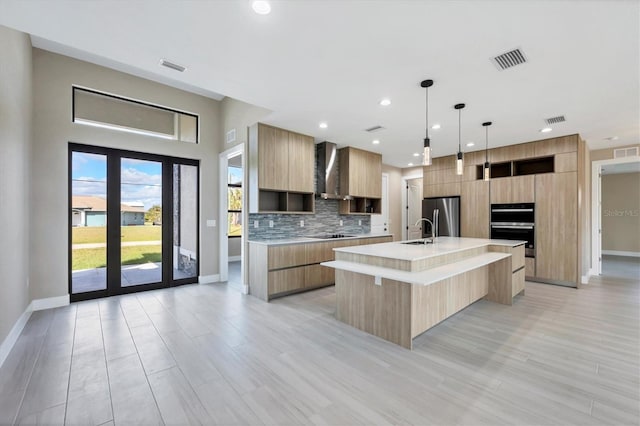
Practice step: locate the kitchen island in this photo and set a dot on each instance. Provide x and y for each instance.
(398, 290)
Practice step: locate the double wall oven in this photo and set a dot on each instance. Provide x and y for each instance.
(515, 222)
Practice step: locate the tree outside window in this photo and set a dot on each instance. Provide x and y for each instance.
(234, 197)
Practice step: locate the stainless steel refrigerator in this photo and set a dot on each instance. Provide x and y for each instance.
(444, 212)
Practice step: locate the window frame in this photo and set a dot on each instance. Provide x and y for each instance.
(75, 88)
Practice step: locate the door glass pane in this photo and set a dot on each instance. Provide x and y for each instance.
(185, 221)
(89, 222)
(140, 222)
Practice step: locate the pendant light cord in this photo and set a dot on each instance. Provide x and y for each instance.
(486, 147)
(426, 131)
(459, 131)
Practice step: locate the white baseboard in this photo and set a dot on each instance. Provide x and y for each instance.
(235, 258)
(592, 272)
(621, 253)
(49, 302)
(585, 279)
(206, 279)
(35, 305)
(12, 337)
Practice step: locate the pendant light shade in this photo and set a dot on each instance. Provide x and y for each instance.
(487, 167)
(426, 152)
(460, 156)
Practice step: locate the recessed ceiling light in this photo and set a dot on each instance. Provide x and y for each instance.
(415, 154)
(375, 141)
(611, 138)
(470, 144)
(323, 125)
(410, 164)
(261, 7)
(546, 130)
(385, 102)
(435, 126)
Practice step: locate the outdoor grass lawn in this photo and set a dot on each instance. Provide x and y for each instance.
(97, 258)
(98, 234)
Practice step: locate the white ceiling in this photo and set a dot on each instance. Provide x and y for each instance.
(333, 60)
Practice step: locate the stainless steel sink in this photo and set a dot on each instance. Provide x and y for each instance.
(419, 242)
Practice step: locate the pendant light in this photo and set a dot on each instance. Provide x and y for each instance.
(487, 167)
(426, 154)
(459, 158)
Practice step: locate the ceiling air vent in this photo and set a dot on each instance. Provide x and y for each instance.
(374, 129)
(509, 59)
(555, 120)
(171, 65)
(625, 152)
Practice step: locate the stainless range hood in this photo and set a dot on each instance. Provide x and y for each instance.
(327, 171)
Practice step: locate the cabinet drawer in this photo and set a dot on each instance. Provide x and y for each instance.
(517, 283)
(517, 257)
(318, 275)
(375, 240)
(286, 256)
(286, 280)
(319, 252)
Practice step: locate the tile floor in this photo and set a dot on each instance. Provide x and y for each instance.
(206, 354)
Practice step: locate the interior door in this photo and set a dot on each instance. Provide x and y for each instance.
(380, 222)
(414, 208)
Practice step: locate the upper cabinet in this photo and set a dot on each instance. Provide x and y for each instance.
(281, 170)
(360, 173)
(361, 179)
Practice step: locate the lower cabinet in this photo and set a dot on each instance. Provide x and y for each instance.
(285, 280)
(318, 276)
(279, 270)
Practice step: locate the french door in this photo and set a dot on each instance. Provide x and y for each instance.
(133, 221)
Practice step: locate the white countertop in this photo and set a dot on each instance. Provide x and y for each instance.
(408, 252)
(302, 240)
(425, 277)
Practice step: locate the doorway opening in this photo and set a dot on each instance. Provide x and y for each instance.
(616, 218)
(233, 214)
(380, 222)
(133, 221)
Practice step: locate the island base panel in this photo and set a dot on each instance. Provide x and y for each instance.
(382, 310)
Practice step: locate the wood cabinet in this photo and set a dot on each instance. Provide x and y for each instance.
(557, 227)
(549, 173)
(474, 209)
(360, 178)
(444, 190)
(360, 173)
(530, 266)
(301, 163)
(273, 154)
(279, 270)
(517, 189)
(281, 171)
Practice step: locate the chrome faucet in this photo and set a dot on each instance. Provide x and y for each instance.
(433, 229)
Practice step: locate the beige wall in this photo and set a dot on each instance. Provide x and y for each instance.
(395, 200)
(238, 115)
(15, 143)
(621, 212)
(53, 77)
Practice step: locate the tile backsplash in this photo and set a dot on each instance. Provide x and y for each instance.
(325, 220)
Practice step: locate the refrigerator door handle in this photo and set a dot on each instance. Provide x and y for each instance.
(436, 216)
